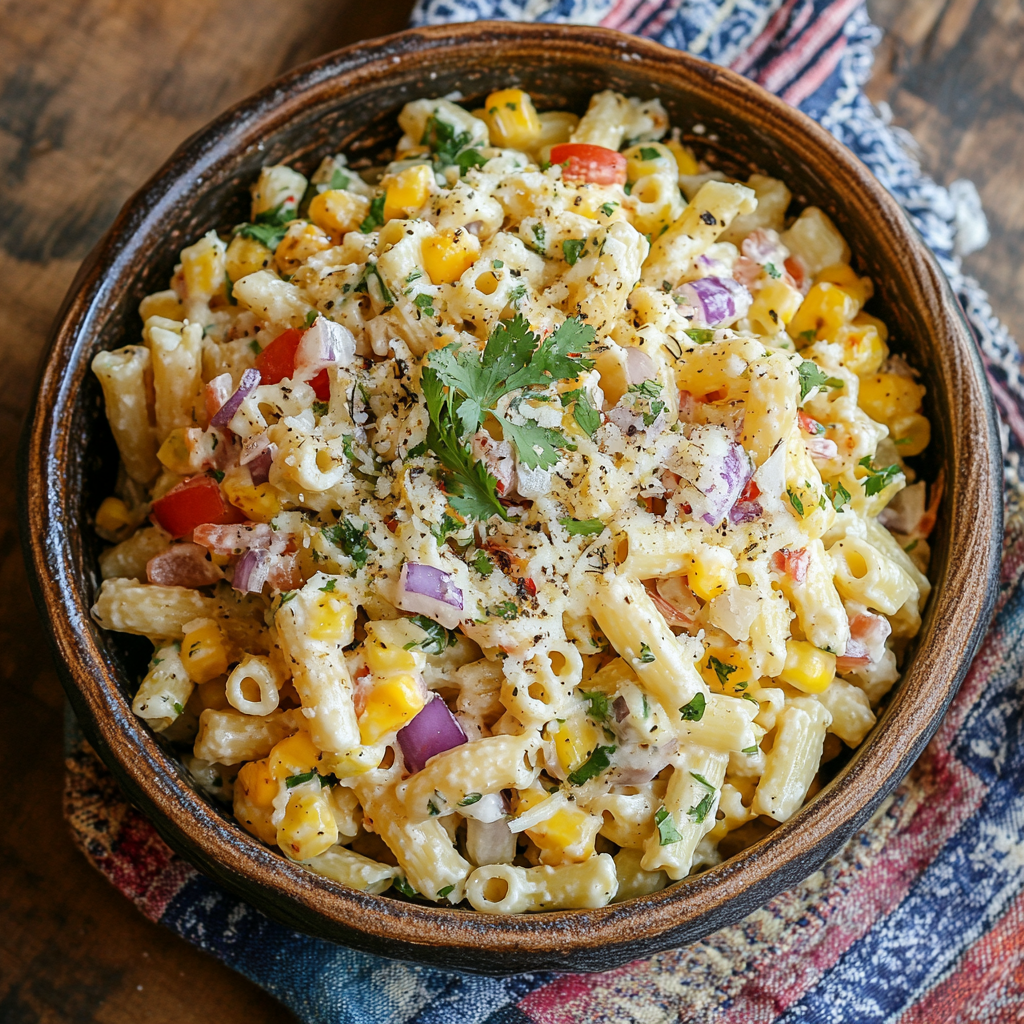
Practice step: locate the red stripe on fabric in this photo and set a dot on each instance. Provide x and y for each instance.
(812, 79)
(658, 23)
(618, 13)
(1009, 408)
(987, 985)
(639, 14)
(775, 25)
(560, 1002)
(784, 68)
(849, 912)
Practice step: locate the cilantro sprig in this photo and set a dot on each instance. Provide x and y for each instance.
(813, 376)
(877, 479)
(598, 761)
(462, 387)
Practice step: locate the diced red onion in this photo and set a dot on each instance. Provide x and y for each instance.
(252, 446)
(251, 571)
(637, 764)
(182, 565)
(639, 366)
(821, 448)
(249, 382)
(324, 344)
(284, 572)
(679, 597)
(259, 467)
(425, 590)
(620, 708)
(434, 730)
(857, 656)
(745, 512)
(734, 473)
(717, 300)
(218, 391)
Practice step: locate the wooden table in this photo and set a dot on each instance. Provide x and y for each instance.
(95, 94)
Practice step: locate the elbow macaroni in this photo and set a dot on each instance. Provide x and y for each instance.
(539, 548)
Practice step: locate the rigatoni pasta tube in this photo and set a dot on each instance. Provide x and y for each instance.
(176, 352)
(638, 631)
(122, 375)
(505, 889)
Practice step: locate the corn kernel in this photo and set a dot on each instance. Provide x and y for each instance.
(175, 453)
(245, 256)
(203, 653)
(202, 267)
(712, 573)
(727, 669)
(863, 319)
(512, 119)
(258, 501)
(333, 619)
(353, 762)
(864, 351)
(301, 241)
(388, 660)
(575, 742)
(407, 191)
(165, 304)
(843, 275)
(449, 254)
(112, 516)
(566, 837)
(826, 309)
(911, 434)
(390, 705)
(258, 783)
(808, 668)
(294, 755)
(338, 211)
(308, 827)
(650, 158)
(685, 160)
(887, 396)
(775, 306)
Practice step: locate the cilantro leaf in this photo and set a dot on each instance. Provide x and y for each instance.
(441, 893)
(722, 670)
(375, 218)
(297, 780)
(403, 886)
(772, 270)
(328, 587)
(647, 656)
(507, 610)
(701, 335)
(441, 138)
(694, 711)
(571, 249)
(598, 761)
(795, 501)
(607, 209)
(588, 418)
(483, 564)
(877, 479)
(646, 388)
(437, 639)
(703, 807)
(581, 527)
(667, 831)
(351, 538)
(269, 235)
(528, 438)
(839, 495)
(470, 798)
(179, 708)
(599, 704)
(813, 376)
(469, 158)
(425, 303)
(649, 153)
(751, 750)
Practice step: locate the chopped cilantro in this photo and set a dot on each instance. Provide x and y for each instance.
(375, 218)
(178, 707)
(506, 610)
(286, 597)
(813, 376)
(338, 180)
(320, 408)
(772, 270)
(217, 474)
(443, 140)
(447, 525)
(647, 388)
(910, 547)
(649, 153)
(586, 416)
(351, 538)
(254, 347)
(628, 188)
(311, 316)
(703, 807)
(462, 386)
(877, 479)
(807, 337)
(469, 158)
(328, 587)
(363, 285)
(538, 238)
(581, 527)
(599, 704)
(425, 303)
(441, 893)
(598, 761)
(795, 501)
(483, 564)
(694, 711)
(838, 495)
(414, 275)
(750, 750)
(470, 798)
(297, 780)
(403, 886)
(437, 640)
(646, 654)
(701, 335)
(269, 235)
(722, 670)
(608, 209)
(571, 249)
(667, 831)
(497, 264)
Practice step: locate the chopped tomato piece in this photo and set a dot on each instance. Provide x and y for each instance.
(277, 363)
(795, 269)
(193, 502)
(751, 491)
(582, 162)
(809, 425)
(791, 563)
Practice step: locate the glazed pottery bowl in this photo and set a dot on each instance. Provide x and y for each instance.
(347, 102)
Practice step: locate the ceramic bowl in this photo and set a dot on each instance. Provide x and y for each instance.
(347, 101)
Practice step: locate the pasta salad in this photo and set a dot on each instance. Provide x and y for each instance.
(523, 524)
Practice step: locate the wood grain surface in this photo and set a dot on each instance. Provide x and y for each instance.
(94, 95)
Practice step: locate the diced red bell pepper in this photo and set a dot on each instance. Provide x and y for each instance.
(277, 363)
(809, 425)
(582, 162)
(791, 563)
(193, 502)
(751, 492)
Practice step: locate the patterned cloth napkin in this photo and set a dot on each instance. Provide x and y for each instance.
(921, 918)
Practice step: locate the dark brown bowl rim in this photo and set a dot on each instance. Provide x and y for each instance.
(573, 940)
